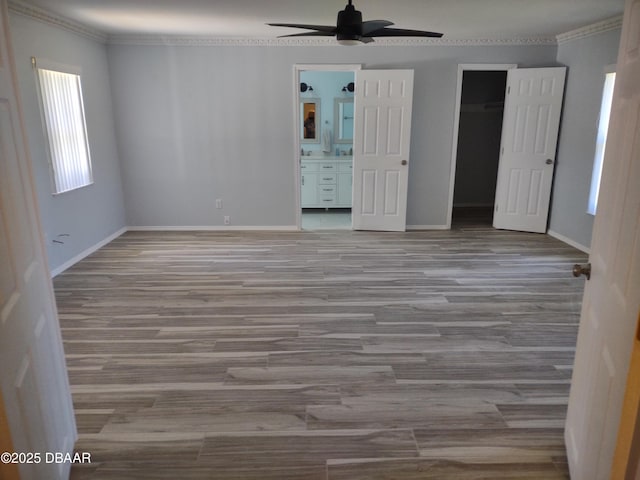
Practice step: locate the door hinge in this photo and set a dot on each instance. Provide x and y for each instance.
(496, 207)
(508, 89)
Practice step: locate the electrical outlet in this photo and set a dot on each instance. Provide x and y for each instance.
(227, 220)
(219, 203)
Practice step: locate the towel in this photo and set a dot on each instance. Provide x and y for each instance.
(326, 140)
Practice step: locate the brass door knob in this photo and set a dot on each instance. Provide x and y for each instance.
(582, 270)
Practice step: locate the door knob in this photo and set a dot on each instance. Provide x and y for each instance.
(403, 162)
(549, 161)
(582, 270)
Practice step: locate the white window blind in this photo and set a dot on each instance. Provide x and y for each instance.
(65, 128)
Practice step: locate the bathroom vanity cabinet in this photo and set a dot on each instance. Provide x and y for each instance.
(326, 182)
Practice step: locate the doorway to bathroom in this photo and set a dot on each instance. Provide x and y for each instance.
(324, 126)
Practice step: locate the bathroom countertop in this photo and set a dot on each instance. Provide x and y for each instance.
(331, 158)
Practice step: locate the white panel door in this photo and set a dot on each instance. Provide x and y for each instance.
(382, 133)
(33, 375)
(612, 297)
(529, 137)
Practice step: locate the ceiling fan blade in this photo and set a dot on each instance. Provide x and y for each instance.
(372, 25)
(319, 28)
(308, 34)
(364, 39)
(401, 32)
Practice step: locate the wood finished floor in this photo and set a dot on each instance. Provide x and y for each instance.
(322, 356)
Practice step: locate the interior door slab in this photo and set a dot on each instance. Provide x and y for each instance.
(612, 295)
(382, 130)
(532, 111)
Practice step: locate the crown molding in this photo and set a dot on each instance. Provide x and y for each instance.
(31, 11)
(589, 30)
(49, 18)
(207, 41)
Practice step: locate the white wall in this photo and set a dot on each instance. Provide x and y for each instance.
(586, 59)
(199, 123)
(93, 213)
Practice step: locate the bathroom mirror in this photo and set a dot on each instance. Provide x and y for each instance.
(310, 120)
(343, 121)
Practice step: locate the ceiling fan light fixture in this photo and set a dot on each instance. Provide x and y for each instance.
(350, 26)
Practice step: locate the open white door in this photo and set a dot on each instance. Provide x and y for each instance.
(529, 137)
(33, 376)
(612, 296)
(382, 133)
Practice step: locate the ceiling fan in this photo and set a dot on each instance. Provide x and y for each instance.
(351, 30)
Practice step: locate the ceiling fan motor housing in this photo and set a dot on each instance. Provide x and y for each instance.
(349, 24)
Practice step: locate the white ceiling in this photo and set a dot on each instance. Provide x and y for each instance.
(465, 19)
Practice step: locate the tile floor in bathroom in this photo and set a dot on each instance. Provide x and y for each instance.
(326, 219)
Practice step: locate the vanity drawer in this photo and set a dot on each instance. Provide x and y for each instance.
(327, 189)
(326, 178)
(308, 167)
(327, 200)
(345, 167)
(326, 167)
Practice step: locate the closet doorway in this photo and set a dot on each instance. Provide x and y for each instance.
(477, 138)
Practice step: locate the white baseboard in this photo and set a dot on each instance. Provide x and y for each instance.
(86, 253)
(568, 241)
(428, 227)
(248, 228)
(243, 228)
(215, 228)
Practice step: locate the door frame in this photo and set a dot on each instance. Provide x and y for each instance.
(297, 69)
(463, 67)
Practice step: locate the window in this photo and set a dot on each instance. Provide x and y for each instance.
(601, 142)
(64, 125)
